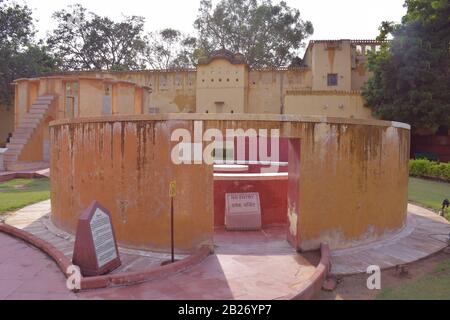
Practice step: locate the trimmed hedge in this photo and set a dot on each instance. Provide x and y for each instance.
(429, 169)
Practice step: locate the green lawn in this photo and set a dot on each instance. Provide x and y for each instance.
(428, 193)
(435, 286)
(18, 193)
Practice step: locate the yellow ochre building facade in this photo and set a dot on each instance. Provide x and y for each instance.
(327, 83)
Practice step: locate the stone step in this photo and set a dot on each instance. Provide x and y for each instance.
(28, 124)
(13, 150)
(42, 98)
(10, 159)
(49, 97)
(24, 130)
(29, 113)
(39, 106)
(14, 146)
(9, 154)
(34, 122)
(43, 102)
(19, 135)
(15, 140)
(33, 116)
(20, 140)
(24, 166)
(37, 111)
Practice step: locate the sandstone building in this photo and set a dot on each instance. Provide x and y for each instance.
(327, 83)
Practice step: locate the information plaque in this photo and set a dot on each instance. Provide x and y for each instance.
(242, 211)
(96, 251)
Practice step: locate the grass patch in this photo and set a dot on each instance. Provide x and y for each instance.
(428, 193)
(435, 286)
(18, 193)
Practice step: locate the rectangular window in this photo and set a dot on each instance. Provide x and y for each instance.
(332, 79)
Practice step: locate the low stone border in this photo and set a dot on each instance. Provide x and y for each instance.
(121, 279)
(132, 278)
(314, 284)
(5, 177)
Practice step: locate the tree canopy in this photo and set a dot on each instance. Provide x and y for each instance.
(411, 74)
(84, 40)
(20, 55)
(169, 48)
(268, 35)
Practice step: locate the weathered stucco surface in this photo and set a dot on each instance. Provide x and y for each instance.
(223, 84)
(6, 123)
(353, 177)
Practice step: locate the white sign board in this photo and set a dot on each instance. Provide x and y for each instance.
(242, 211)
(238, 203)
(102, 234)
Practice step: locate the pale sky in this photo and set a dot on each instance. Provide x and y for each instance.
(332, 19)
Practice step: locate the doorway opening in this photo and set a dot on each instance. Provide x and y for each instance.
(71, 100)
(253, 202)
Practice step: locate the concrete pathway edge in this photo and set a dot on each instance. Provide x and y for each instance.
(315, 282)
(419, 240)
(121, 279)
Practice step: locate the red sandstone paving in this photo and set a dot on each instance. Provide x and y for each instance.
(28, 274)
(258, 265)
(259, 269)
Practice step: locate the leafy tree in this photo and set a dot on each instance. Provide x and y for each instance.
(16, 26)
(20, 55)
(268, 35)
(411, 75)
(386, 28)
(85, 41)
(169, 49)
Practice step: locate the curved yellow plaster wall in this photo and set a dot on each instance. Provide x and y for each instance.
(353, 177)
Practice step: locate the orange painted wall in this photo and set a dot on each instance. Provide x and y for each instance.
(33, 150)
(6, 123)
(353, 177)
(126, 167)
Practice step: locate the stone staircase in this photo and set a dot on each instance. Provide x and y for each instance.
(30, 122)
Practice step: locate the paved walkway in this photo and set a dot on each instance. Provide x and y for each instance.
(265, 268)
(35, 220)
(28, 274)
(424, 234)
(246, 265)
